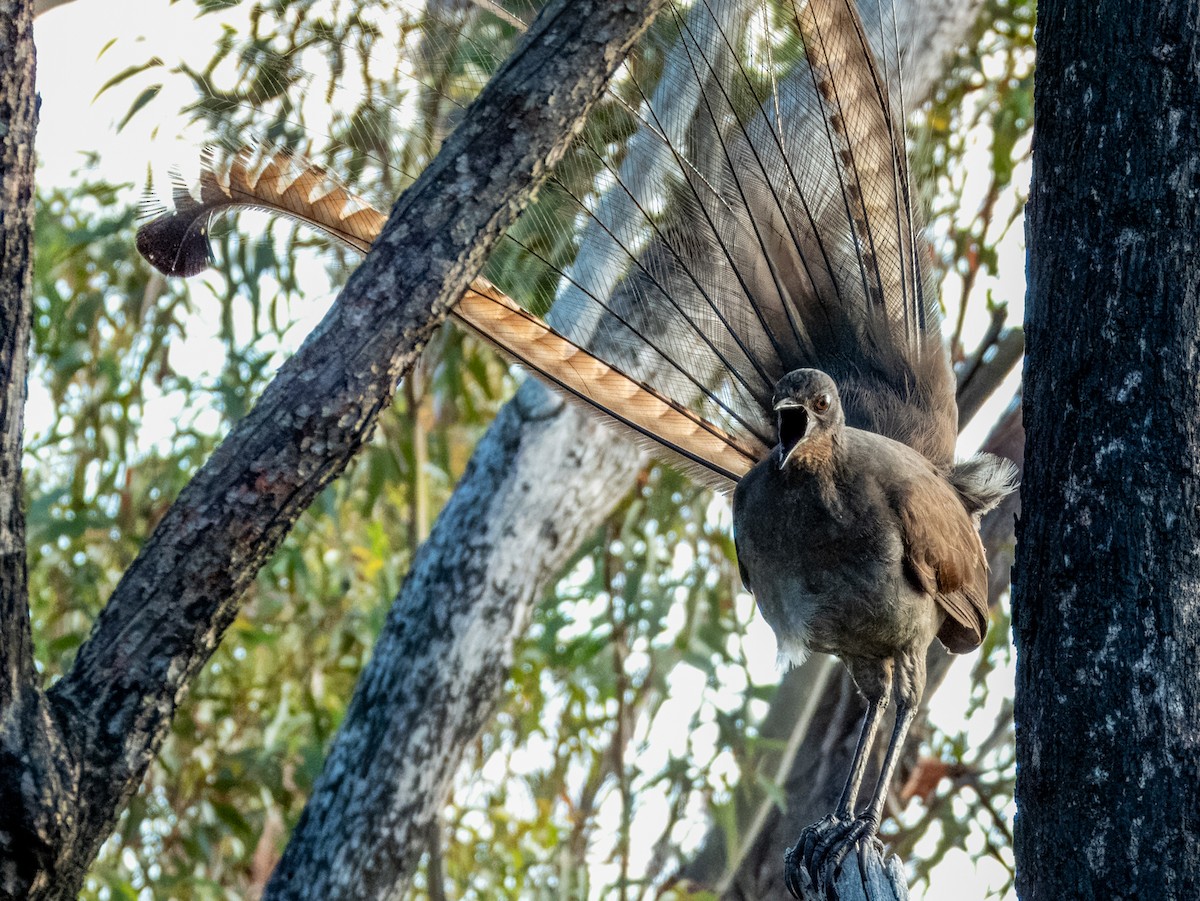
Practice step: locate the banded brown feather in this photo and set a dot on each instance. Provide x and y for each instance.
(176, 242)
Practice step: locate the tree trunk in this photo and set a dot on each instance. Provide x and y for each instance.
(421, 701)
(1106, 607)
(73, 755)
(26, 732)
(18, 120)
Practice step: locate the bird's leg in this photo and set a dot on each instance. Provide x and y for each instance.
(822, 833)
(823, 853)
(874, 678)
(858, 766)
(910, 686)
(905, 714)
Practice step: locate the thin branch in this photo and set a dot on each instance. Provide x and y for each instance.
(44, 6)
(988, 366)
(487, 5)
(435, 875)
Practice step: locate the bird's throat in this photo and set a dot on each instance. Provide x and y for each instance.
(811, 454)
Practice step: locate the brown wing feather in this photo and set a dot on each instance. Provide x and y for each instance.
(946, 560)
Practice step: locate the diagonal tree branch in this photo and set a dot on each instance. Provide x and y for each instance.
(111, 711)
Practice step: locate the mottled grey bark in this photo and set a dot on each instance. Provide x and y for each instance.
(77, 752)
(538, 483)
(1106, 607)
(421, 701)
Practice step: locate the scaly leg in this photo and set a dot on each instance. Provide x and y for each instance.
(826, 857)
(858, 766)
(905, 715)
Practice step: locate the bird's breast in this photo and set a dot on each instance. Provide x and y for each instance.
(825, 564)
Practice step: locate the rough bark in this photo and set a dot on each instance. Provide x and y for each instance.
(18, 120)
(1106, 607)
(22, 708)
(447, 645)
(371, 784)
(79, 750)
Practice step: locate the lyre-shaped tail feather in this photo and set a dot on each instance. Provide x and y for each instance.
(175, 239)
(176, 242)
(866, 138)
(526, 338)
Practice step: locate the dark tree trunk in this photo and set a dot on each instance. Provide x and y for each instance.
(73, 755)
(1107, 604)
(22, 708)
(18, 120)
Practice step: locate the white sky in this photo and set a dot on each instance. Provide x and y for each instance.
(75, 60)
(77, 53)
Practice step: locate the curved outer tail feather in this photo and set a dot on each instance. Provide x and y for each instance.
(176, 242)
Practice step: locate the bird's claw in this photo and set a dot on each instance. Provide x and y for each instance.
(811, 866)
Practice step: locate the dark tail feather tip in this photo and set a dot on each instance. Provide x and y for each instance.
(176, 246)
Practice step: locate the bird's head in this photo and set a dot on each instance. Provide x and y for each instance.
(808, 414)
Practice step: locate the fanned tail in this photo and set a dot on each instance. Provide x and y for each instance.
(778, 232)
(740, 207)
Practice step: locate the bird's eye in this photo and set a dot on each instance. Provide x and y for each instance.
(821, 404)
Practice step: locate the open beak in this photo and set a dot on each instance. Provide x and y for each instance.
(794, 422)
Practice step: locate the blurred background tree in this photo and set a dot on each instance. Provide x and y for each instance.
(632, 712)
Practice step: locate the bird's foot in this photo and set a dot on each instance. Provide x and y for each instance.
(811, 866)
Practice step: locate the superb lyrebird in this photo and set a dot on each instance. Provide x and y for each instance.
(749, 294)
